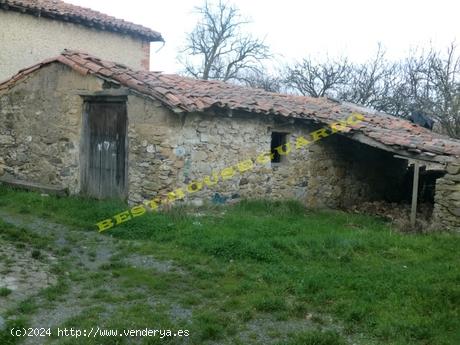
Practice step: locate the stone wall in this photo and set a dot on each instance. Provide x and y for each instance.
(446, 213)
(343, 173)
(26, 40)
(40, 127)
(168, 151)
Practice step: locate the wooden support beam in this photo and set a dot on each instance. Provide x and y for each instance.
(35, 187)
(430, 164)
(122, 92)
(413, 211)
(399, 151)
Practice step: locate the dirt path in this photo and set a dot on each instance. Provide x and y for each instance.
(86, 253)
(64, 237)
(22, 274)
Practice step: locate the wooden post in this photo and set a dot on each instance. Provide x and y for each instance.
(413, 211)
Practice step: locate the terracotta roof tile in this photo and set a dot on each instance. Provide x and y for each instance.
(60, 10)
(189, 95)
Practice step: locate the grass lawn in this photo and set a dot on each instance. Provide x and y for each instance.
(257, 272)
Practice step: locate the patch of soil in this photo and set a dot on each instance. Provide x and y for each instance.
(23, 274)
(267, 330)
(148, 261)
(87, 251)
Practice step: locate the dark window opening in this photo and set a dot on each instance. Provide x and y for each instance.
(278, 140)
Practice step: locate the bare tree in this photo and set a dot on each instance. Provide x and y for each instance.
(315, 79)
(218, 48)
(425, 83)
(443, 93)
(415, 91)
(368, 84)
(371, 83)
(431, 85)
(263, 80)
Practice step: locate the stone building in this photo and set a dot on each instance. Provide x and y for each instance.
(33, 30)
(101, 129)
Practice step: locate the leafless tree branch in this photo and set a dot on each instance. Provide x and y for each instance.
(225, 52)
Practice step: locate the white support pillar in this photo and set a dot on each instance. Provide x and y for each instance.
(413, 211)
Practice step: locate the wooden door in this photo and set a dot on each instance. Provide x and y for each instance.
(104, 149)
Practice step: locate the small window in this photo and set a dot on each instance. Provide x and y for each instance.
(278, 139)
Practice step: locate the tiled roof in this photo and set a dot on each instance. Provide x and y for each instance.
(183, 94)
(59, 10)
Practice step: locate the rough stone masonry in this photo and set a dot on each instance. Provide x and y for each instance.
(447, 199)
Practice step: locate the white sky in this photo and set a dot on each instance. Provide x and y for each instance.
(294, 29)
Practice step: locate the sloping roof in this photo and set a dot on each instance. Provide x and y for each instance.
(183, 94)
(59, 10)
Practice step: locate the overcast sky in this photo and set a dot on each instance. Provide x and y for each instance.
(294, 29)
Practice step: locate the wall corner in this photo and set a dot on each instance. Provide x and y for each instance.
(446, 212)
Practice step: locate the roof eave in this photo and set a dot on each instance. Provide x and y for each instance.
(152, 36)
(402, 151)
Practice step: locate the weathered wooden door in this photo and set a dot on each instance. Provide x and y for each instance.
(104, 148)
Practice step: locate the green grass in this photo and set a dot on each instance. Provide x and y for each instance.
(357, 277)
(5, 336)
(71, 211)
(4, 291)
(21, 237)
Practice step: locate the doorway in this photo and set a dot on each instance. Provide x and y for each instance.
(104, 148)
